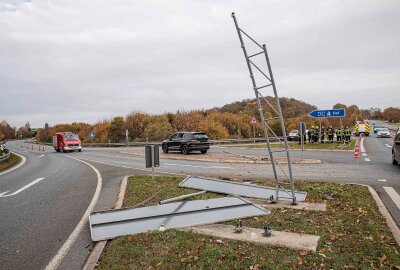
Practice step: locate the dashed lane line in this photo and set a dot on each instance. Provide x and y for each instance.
(393, 195)
(367, 159)
(387, 145)
(382, 180)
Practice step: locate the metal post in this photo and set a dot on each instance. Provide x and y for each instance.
(254, 133)
(152, 162)
(320, 130)
(277, 110)
(127, 138)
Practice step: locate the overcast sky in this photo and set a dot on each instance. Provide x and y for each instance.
(74, 60)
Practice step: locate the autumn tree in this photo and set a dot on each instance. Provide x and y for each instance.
(157, 130)
(116, 130)
(136, 123)
(392, 114)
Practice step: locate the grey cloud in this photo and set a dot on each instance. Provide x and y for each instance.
(68, 61)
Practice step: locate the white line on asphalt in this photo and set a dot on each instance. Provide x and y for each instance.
(55, 262)
(2, 195)
(195, 166)
(367, 159)
(139, 169)
(393, 195)
(41, 156)
(388, 145)
(382, 180)
(362, 146)
(23, 160)
(364, 154)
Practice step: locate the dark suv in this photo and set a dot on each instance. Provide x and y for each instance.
(186, 142)
(396, 148)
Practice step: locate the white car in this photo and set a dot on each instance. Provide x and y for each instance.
(293, 135)
(383, 133)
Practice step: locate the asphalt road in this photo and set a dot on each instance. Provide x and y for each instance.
(37, 221)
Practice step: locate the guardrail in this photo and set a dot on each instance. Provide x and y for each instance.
(5, 156)
(224, 141)
(113, 144)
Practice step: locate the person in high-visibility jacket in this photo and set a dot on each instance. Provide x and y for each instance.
(347, 133)
(315, 134)
(329, 134)
(339, 135)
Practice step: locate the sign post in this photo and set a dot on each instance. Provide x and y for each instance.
(91, 134)
(302, 133)
(152, 157)
(127, 138)
(254, 122)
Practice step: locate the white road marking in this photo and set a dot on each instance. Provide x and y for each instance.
(41, 156)
(55, 262)
(393, 195)
(134, 168)
(387, 145)
(196, 166)
(367, 159)
(2, 195)
(362, 149)
(364, 154)
(382, 180)
(23, 160)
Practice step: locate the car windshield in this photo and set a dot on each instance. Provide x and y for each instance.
(71, 137)
(384, 130)
(293, 131)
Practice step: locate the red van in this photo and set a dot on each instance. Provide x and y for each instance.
(66, 141)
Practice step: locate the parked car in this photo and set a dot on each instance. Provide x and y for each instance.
(293, 135)
(377, 128)
(186, 142)
(383, 133)
(396, 148)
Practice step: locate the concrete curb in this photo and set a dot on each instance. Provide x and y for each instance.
(304, 161)
(94, 256)
(385, 212)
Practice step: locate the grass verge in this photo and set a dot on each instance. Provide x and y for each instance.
(8, 163)
(353, 233)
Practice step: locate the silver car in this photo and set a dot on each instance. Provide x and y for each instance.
(383, 133)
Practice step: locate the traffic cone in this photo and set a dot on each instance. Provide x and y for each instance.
(356, 151)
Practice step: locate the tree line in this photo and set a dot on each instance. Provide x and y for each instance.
(229, 121)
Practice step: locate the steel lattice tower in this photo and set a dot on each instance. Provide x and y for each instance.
(283, 176)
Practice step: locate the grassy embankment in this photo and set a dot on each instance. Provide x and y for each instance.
(11, 161)
(353, 233)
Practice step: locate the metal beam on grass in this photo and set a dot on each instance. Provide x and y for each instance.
(109, 224)
(238, 189)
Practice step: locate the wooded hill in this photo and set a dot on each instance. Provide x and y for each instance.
(229, 121)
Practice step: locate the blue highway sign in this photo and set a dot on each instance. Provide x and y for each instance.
(91, 134)
(327, 113)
